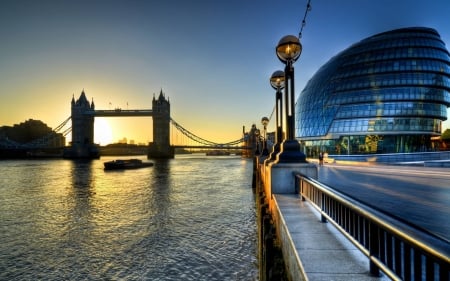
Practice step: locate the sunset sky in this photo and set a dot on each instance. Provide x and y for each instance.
(211, 58)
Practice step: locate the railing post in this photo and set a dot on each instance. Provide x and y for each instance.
(322, 207)
(443, 272)
(302, 189)
(374, 248)
(299, 185)
(417, 257)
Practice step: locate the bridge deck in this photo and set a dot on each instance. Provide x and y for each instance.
(121, 112)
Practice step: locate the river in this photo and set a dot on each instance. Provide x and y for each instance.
(188, 218)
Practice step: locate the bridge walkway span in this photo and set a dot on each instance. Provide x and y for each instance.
(121, 113)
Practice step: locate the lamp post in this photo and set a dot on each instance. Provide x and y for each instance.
(288, 51)
(257, 142)
(264, 122)
(277, 81)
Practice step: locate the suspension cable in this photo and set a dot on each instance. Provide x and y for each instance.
(200, 140)
(271, 114)
(308, 8)
(60, 126)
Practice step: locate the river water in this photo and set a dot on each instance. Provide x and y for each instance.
(189, 218)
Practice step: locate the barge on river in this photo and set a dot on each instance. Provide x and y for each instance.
(122, 164)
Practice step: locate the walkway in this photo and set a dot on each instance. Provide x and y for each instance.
(324, 253)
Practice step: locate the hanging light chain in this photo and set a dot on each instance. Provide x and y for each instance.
(308, 8)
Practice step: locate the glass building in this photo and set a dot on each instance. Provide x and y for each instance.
(388, 93)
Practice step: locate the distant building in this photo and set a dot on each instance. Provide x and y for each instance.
(388, 93)
(31, 133)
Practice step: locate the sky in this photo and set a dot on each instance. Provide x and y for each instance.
(211, 58)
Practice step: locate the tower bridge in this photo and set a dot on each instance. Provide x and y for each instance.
(83, 114)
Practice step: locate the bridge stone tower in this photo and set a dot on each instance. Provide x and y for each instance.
(82, 129)
(160, 147)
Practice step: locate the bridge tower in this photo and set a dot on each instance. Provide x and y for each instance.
(82, 145)
(160, 147)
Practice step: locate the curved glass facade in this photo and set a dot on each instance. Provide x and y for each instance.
(388, 93)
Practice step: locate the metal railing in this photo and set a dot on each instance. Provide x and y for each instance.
(397, 249)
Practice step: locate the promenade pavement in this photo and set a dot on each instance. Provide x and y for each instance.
(324, 253)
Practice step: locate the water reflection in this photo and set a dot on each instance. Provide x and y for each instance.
(81, 192)
(182, 219)
(158, 204)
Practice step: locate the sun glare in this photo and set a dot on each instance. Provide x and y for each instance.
(102, 132)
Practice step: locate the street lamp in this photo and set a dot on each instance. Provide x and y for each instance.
(264, 122)
(257, 142)
(277, 81)
(288, 51)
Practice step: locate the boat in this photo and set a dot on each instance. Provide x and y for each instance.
(122, 164)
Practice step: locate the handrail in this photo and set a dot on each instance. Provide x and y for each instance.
(399, 250)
